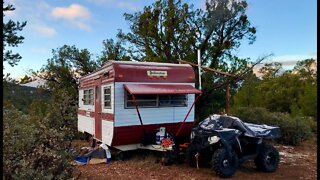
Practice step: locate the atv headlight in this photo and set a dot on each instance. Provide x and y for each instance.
(192, 136)
(213, 139)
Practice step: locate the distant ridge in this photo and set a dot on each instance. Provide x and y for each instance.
(36, 83)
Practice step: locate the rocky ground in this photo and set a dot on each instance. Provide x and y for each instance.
(299, 162)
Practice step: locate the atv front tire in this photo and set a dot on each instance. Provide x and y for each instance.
(267, 159)
(223, 166)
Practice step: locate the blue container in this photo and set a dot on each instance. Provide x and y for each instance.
(82, 159)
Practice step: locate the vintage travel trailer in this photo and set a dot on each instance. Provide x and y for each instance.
(124, 100)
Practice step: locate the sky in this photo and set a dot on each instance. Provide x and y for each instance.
(285, 28)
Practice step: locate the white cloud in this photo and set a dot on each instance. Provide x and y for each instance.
(46, 31)
(10, 14)
(75, 14)
(288, 61)
(74, 11)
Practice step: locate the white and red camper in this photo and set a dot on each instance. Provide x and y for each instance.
(123, 100)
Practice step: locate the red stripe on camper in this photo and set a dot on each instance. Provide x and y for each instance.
(126, 135)
(139, 73)
(104, 116)
(86, 83)
(107, 116)
(107, 81)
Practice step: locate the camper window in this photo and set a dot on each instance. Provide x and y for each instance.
(107, 97)
(88, 97)
(142, 100)
(174, 100)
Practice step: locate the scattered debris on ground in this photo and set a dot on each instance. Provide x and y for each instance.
(298, 162)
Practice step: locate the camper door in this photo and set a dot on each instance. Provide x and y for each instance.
(97, 108)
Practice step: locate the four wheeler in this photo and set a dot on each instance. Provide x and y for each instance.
(228, 142)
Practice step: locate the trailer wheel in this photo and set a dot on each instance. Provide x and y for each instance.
(267, 159)
(223, 166)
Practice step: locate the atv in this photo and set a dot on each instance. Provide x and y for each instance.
(228, 142)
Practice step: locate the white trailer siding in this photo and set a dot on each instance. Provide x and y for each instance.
(129, 117)
(85, 124)
(107, 132)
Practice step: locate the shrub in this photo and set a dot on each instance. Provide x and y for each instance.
(32, 150)
(293, 129)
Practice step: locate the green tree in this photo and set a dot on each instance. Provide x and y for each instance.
(113, 51)
(270, 70)
(162, 32)
(170, 30)
(226, 25)
(307, 69)
(308, 100)
(248, 95)
(63, 71)
(292, 92)
(10, 37)
(32, 149)
(62, 74)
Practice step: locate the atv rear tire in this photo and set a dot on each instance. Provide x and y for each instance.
(223, 166)
(267, 159)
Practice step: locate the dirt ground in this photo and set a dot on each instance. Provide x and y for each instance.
(299, 162)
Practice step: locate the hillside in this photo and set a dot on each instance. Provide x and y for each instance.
(22, 96)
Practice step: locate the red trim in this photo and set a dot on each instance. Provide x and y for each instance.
(138, 73)
(107, 116)
(87, 87)
(136, 105)
(104, 116)
(107, 81)
(180, 127)
(160, 89)
(125, 135)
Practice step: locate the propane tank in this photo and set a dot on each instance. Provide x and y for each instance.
(160, 135)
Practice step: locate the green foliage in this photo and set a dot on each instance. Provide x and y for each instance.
(32, 149)
(170, 30)
(270, 70)
(62, 73)
(10, 37)
(63, 115)
(226, 25)
(292, 93)
(293, 129)
(162, 32)
(64, 69)
(308, 101)
(113, 51)
(307, 69)
(247, 96)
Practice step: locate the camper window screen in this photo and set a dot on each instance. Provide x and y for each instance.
(177, 100)
(142, 100)
(88, 97)
(174, 100)
(107, 97)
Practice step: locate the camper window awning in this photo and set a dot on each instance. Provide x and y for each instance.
(160, 89)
